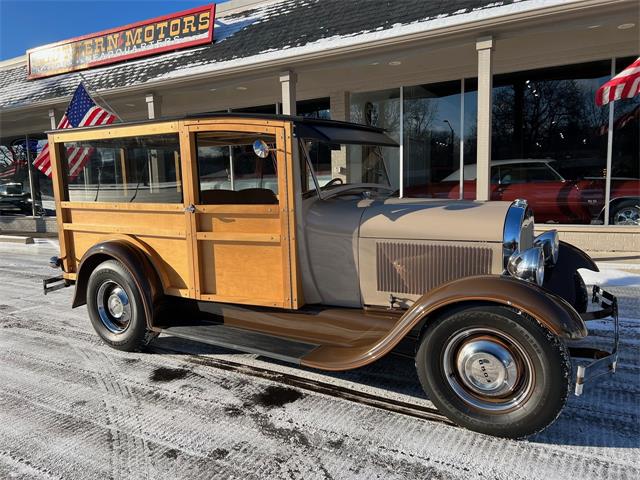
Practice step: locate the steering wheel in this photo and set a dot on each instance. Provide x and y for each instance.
(334, 181)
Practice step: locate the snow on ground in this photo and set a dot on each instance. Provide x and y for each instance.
(610, 277)
(73, 408)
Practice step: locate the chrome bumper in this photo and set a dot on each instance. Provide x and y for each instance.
(603, 362)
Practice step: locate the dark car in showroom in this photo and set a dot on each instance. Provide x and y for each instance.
(13, 199)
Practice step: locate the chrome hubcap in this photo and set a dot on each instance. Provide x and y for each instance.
(114, 307)
(488, 369)
(627, 216)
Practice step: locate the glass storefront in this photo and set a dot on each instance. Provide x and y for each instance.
(550, 142)
(380, 109)
(624, 207)
(431, 134)
(16, 155)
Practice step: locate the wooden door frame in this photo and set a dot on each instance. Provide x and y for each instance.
(282, 130)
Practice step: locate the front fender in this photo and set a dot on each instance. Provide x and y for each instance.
(138, 265)
(560, 278)
(547, 308)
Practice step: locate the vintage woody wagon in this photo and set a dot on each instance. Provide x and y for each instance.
(282, 236)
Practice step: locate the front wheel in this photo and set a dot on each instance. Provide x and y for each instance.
(495, 371)
(116, 309)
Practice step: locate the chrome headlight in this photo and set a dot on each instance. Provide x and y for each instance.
(518, 230)
(528, 265)
(550, 244)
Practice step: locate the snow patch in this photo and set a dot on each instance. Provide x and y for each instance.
(610, 277)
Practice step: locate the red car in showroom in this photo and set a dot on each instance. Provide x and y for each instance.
(553, 198)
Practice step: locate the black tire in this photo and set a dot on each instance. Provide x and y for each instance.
(129, 331)
(538, 395)
(627, 212)
(582, 294)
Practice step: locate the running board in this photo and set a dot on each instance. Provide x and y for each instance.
(246, 341)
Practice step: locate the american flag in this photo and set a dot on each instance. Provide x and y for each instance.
(624, 85)
(82, 112)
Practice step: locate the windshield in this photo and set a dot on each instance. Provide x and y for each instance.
(330, 165)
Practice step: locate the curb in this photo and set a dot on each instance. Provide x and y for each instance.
(16, 239)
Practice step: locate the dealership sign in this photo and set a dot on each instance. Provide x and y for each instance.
(171, 32)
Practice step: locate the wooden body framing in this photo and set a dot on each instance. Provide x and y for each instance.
(243, 254)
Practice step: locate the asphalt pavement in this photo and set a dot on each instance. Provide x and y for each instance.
(71, 407)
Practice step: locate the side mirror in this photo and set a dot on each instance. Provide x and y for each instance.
(260, 148)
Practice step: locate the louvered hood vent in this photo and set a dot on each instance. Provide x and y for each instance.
(417, 268)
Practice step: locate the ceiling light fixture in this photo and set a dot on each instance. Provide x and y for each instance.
(213, 89)
(594, 26)
(626, 26)
(395, 63)
(374, 63)
(241, 88)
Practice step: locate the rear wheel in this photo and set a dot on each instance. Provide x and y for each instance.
(116, 309)
(494, 371)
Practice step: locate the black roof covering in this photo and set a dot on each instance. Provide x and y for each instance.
(330, 131)
(269, 28)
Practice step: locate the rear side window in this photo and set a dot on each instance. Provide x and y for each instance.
(143, 169)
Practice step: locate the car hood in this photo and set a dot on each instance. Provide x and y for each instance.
(433, 219)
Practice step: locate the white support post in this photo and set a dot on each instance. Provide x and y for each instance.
(401, 152)
(52, 119)
(155, 174)
(607, 182)
(153, 106)
(340, 107)
(288, 80)
(461, 167)
(484, 46)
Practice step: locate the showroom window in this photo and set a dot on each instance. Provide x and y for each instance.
(431, 139)
(15, 160)
(380, 109)
(549, 115)
(624, 206)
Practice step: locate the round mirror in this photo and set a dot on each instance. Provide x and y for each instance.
(260, 148)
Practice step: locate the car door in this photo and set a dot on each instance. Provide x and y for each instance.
(241, 216)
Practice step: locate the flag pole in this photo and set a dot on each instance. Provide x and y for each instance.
(111, 109)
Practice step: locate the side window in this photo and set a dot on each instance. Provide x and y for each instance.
(230, 172)
(143, 169)
(540, 172)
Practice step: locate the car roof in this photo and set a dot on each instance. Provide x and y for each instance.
(332, 131)
(470, 170)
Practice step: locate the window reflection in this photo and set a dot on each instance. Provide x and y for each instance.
(379, 109)
(549, 132)
(625, 159)
(143, 169)
(431, 138)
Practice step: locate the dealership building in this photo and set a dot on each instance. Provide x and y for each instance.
(489, 99)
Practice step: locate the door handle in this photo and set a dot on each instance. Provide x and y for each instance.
(191, 208)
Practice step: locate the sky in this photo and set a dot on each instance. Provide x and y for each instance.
(26, 24)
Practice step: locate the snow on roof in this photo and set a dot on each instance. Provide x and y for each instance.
(273, 30)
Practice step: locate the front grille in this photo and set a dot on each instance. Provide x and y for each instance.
(415, 268)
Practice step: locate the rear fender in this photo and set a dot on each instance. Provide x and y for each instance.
(137, 264)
